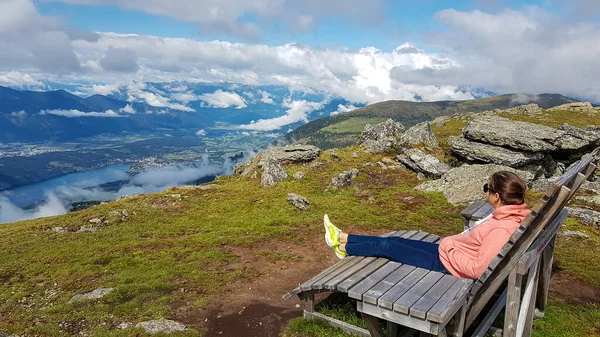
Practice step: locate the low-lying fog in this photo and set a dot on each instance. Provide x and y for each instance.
(56, 197)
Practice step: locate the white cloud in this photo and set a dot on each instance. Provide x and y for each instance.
(297, 111)
(128, 109)
(185, 97)
(201, 133)
(223, 99)
(101, 89)
(77, 113)
(266, 97)
(17, 79)
(119, 60)
(11, 213)
(137, 91)
(530, 51)
(343, 108)
(21, 113)
(245, 133)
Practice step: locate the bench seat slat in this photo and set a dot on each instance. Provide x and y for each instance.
(361, 274)
(420, 308)
(363, 286)
(431, 238)
(403, 304)
(453, 297)
(387, 300)
(333, 282)
(482, 212)
(387, 283)
(340, 266)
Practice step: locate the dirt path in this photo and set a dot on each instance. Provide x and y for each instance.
(254, 307)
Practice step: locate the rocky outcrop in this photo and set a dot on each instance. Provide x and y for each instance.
(419, 134)
(92, 295)
(519, 135)
(161, 325)
(427, 164)
(476, 151)
(272, 173)
(299, 201)
(281, 155)
(574, 234)
(586, 216)
(344, 178)
(381, 137)
(590, 135)
(463, 185)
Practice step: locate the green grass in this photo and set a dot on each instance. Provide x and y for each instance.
(354, 125)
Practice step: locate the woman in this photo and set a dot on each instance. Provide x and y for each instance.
(465, 255)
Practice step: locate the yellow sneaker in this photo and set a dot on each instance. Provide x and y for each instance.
(339, 253)
(332, 233)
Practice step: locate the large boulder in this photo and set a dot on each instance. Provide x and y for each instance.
(477, 151)
(521, 135)
(282, 155)
(586, 216)
(419, 134)
(590, 135)
(421, 162)
(273, 173)
(381, 137)
(463, 185)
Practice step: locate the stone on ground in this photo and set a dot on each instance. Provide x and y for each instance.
(92, 295)
(427, 164)
(272, 174)
(298, 201)
(344, 178)
(161, 325)
(586, 216)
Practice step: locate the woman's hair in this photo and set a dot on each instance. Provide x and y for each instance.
(509, 186)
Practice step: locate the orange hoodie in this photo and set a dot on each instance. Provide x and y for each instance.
(468, 254)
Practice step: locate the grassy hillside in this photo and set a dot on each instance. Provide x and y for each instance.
(205, 255)
(343, 130)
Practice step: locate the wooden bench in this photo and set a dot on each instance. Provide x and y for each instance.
(410, 298)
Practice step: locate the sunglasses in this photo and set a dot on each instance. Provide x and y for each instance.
(486, 188)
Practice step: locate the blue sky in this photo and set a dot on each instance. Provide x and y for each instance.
(403, 21)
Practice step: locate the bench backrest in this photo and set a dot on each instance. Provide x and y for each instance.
(546, 209)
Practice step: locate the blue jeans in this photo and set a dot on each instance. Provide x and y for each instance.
(412, 252)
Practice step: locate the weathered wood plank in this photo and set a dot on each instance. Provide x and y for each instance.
(396, 233)
(341, 266)
(420, 308)
(403, 304)
(419, 236)
(387, 283)
(538, 246)
(333, 282)
(349, 328)
(449, 303)
(361, 274)
(363, 286)
(431, 238)
(409, 234)
(489, 318)
(525, 322)
(373, 325)
(545, 274)
(387, 300)
(468, 212)
(482, 212)
(411, 322)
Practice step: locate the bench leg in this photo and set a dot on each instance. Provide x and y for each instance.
(528, 305)
(373, 325)
(545, 274)
(392, 329)
(513, 301)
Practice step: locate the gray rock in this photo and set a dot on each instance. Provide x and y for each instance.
(87, 229)
(381, 137)
(574, 234)
(354, 155)
(520, 135)
(125, 325)
(316, 164)
(281, 155)
(427, 164)
(114, 214)
(96, 221)
(298, 201)
(129, 196)
(463, 185)
(487, 153)
(419, 134)
(299, 175)
(333, 154)
(58, 229)
(272, 174)
(92, 295)
(161, 325)
(586, 216)
(588, 135)
(344, 178)
(592, 199)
